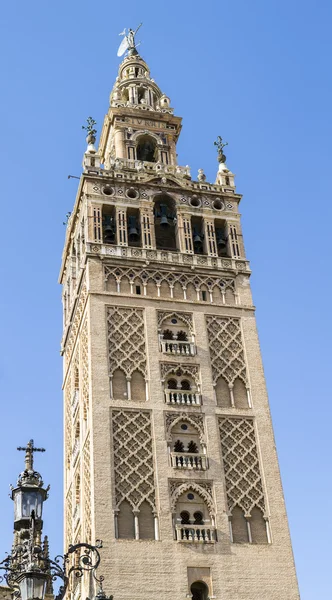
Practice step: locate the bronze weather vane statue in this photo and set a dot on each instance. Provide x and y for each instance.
(129, 42)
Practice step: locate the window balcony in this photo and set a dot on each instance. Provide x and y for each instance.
(182, 398)
(74, 402)
(202, 534)
(189, 460)
(177, 348)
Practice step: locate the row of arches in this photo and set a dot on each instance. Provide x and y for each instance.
(134, 284)
(193, 522)
(195, 235)
(236, 396)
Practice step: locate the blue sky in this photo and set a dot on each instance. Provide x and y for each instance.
(258, 73)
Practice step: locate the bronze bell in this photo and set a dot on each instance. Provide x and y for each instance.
(198, 243)
(221, 242)
(108, 230)
(133, 233)
(164, 222)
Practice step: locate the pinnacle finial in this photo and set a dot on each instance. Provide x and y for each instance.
(220, 146)
(90, 126)
(29, 449)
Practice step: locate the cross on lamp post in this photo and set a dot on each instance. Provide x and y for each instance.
(29, 571)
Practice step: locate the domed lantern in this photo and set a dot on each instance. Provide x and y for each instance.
(29, 494)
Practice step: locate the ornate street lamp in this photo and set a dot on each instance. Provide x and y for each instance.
(29, 571)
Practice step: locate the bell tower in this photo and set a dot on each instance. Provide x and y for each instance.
(169, 450)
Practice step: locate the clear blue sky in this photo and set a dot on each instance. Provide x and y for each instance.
(259, 74)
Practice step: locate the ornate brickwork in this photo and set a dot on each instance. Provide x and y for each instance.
(87, 490)
(203, 489)
(133, 459)
(196, 420)
(192, 370)
(69, 519)
(242, 472)
(84, 376)
(68, 424)
(181, 316)
(226, 348)
(126, 340)
(76, 323)
(145, 276)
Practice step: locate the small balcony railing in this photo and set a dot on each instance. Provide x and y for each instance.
(74, 402)
(202, 534)
(182, 398)
(189, 460)
(177, 348)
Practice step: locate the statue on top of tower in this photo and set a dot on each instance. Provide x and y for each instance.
(128, 42)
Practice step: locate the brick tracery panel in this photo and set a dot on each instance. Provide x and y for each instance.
(84, 355)
(244, 486)
(226, 348)
(133, 458)
(87, 490)
(126, 340)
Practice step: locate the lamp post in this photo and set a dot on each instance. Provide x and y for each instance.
(29, 571)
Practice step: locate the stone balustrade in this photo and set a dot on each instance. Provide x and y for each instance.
(177, 348)
(189, 460)
(167, 256)
(182, 398)
(203, 534)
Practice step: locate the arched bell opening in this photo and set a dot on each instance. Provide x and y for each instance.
(221, 237)
(134, 227)
(146, 149)
(109, 225)
(199, 591)
(197, 227)
(165, 222)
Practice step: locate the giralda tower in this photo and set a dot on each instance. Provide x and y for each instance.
(169, 449)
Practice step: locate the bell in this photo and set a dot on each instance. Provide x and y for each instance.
(221, 242)
(164, 222)
(198, 244)
(133, 234)
(108, 230)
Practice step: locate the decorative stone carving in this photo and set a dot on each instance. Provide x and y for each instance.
(222, 284)
(202, 488)
(87, 490)
(76, 322)
(126, 340)
(241, 465)
(180, 369)
(84, 376)
(196, 420)
(226, 348)
(181, 316)
(133, 459)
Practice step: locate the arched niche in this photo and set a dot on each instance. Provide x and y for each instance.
(165, 222)
(146, 148)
